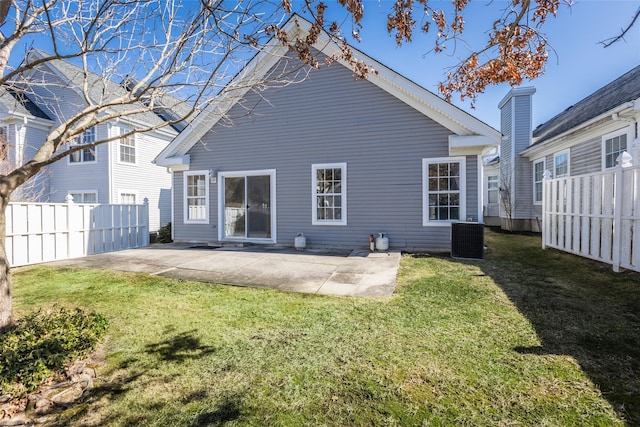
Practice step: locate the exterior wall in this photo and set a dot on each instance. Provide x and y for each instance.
(65, 177)
(586, 157)
(523, 182)
(144, 178)
(330, 118)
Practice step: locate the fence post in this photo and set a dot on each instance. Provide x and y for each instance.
(145, 227)
(624, 161)
(71, 227)
(546, 177)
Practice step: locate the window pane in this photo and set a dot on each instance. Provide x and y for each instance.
(454, 213)
(443, 184)
(433, 184)
(454, 169)
(433, 170)
(454, 184)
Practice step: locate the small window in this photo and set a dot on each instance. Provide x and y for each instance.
(561, 164)
(329, 194)
(85, 197)
(443, 190)
(128, 198)
(613, 147)
(87, 155)
(196, 190)
(538, 178)
(492, 189)
(127, 147)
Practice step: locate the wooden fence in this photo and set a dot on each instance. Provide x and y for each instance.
(595, 216)
(41, 232)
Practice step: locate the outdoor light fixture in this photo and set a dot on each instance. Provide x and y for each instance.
(213, 176)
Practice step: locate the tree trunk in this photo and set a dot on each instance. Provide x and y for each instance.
(6, 311)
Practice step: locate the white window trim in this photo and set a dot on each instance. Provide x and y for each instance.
(497, 176)
(85, 192)
(533, 172)
(558, 154)
(625, 131)
(186, 219)
(314, 198)
(126, 191)
(95, 151)
(426, 222)
(122, 130)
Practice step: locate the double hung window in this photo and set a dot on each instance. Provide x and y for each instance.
(329, 182)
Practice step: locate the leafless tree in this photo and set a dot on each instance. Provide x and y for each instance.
(176, 55)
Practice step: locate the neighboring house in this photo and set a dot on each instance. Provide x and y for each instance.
(117, 172)
(332, 157)
(21, 123)
(585, 138)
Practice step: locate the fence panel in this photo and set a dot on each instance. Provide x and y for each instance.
(596, 216)
(41, 232)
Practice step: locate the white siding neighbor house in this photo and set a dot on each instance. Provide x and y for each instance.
(332, 157)
(117, 172)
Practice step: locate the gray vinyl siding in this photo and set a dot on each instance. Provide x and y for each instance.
(506, 152)
(586, 157)
(331, 118)
(523, 186)
(144, 178)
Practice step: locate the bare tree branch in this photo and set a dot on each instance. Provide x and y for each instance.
(608, 42)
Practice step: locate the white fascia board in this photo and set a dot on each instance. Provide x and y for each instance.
(175, 163)
(32, 121)
(466, 145)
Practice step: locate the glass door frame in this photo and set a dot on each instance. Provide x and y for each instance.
(221, 205)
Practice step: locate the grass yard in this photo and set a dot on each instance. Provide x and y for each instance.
(524, 337)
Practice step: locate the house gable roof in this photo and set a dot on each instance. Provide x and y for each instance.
(624, 89)
(16, 103)
(99, 90)
(451, 117)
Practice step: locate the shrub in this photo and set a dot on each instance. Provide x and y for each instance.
(164, 234)
(42, 343)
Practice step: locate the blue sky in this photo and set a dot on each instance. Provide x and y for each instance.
(577, 66)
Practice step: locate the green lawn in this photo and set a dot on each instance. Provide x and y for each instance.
(525, 337)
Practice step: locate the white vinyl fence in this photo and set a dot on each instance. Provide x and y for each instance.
(41, 232)
(595, 215)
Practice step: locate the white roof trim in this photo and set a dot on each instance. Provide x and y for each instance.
(537, 148)
(468, 145)
(424, 101)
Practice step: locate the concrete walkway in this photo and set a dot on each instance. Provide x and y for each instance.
(318, 271)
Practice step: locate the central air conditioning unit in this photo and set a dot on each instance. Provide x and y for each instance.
(467, 240)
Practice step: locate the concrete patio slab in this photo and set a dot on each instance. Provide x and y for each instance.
(318, 271)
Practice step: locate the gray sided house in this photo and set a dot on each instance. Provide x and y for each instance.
(332, 157)
(118, 172)
(587, 137)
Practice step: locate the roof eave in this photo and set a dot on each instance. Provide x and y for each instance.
(540, 146)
